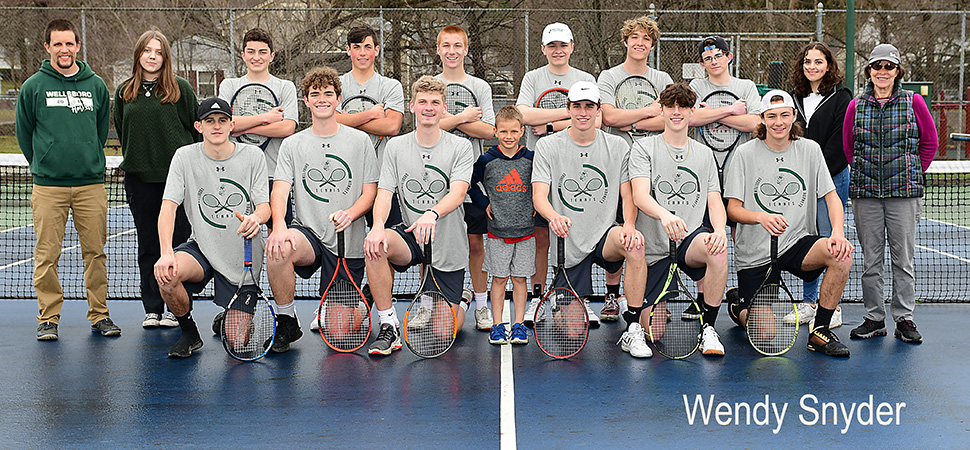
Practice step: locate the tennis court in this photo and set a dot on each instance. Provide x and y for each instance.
(85, 390)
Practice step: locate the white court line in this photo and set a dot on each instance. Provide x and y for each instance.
(508, 390)
(940, 252)
(63, 249)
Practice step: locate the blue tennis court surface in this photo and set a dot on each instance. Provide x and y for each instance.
(85, 390)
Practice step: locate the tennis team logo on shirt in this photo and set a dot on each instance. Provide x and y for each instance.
(219, 208)
(421, 193)
(683, 189)
(512, 183)
(333, 178)
(783, 190)
(590, 186)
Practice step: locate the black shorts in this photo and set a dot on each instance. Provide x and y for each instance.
(394, 216)
(476, 220)
(450, 283)
(707, 216)
(224, 289)
(658, 271)
(326, 261)
(749, 280)
(581, 275)
(540, 221)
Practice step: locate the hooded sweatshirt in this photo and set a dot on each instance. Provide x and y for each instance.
(62, 125)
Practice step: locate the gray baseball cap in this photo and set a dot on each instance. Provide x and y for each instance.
(884, 52)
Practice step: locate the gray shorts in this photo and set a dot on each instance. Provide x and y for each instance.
(503, 259)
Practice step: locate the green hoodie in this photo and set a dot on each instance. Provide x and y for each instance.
(62, 125)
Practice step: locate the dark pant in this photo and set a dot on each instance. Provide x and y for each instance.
(145, 202)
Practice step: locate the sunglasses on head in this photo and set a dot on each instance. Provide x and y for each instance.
(882, 65)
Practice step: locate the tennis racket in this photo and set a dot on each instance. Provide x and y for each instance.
(429, 324)
(719, 137)
(561, 323)
(249, 326)
(250, 100)
(553, 98)
(360, 103)
(344, 317)
(457, 99)
(767, 330)
(635, 92)
(674, 336)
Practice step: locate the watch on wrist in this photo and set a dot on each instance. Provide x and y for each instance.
(549, 128)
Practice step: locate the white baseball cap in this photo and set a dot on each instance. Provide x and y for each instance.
(584, 90)
(556, 32)
(786, 102)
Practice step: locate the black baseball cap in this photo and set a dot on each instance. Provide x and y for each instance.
(213, 105)
(716, 42)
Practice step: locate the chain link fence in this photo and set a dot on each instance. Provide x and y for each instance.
(505, 43)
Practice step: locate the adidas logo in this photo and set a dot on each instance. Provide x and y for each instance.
(511, 183)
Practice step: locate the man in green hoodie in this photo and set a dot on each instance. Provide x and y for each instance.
(63, 112)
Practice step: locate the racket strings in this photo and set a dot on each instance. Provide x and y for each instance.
(248, 330)
(561, 324)
(345, 318)
(552, 100)
(429, 325)
(674, 335)
(767, 329)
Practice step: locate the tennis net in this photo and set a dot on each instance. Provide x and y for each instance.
(942, 253)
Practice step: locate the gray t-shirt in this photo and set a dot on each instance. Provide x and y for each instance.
(212, 192)
(680, 179)
(536, 82)
(285, 92)
(584, 185)
(483, 93)
(745, 90)
(788, 182)
(379, 88)
(422, 176)
(327, 175)
(608, 81)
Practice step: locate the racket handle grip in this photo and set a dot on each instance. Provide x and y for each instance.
(427, 253)
(673, 250)
(340, 244)
(561, 251)
(774, 248)
(248, 252)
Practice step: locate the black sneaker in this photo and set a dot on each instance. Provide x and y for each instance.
(868, 329)
(824, 341)
(387, 341)
(287, 331)
(106, 327)
(185, 346)
(906, 332)
(691, 313)
(47, 331)
(217, 323)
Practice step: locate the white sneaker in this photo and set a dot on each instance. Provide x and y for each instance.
(168, 320)
(634, 342)
(483, 319)
(836, 319)
(151, 320)
(593, 318)
(314, 323)
(806, 312)
(530, 312)
(420, 318)
(710, 342)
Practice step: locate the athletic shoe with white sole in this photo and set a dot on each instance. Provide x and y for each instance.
(806, 312)
(168, 320)
(530, 312)
(483, 319)
(611, 309)
(420, 318)
(634, 342)
(519, 334)
(151, 320)
(498, 335)
(593, 318)
(711, 342)
(387, 341)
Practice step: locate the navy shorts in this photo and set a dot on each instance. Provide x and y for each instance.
(289, 207)
(326, 261)
(749, 280)
(658, 271)
(450, 283)
(393, 216)
(581, 275)
(476, 220)
(707, 217)
(224, 289)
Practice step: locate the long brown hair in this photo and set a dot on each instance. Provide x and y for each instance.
(167, 88)
(832, 77)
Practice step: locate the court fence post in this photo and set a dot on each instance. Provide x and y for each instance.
(655, 56)
(819, 12)
(526, 41)
(84, 35)
(232, 40)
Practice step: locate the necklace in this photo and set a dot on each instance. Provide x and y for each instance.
(149, 87)
(677, 158)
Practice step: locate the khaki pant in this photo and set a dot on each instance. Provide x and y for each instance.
(89, 206)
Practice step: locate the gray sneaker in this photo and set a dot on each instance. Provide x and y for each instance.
(106, 327)
(168, 320)
(47, 331)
